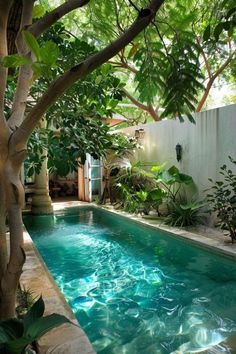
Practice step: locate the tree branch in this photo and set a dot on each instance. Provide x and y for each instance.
(25, 71)
(59, 86)
(211, 81)
(206, 62)
(4, 13)
(48, 20)
(147, 108)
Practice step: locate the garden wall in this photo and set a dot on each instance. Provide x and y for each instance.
(206, 144)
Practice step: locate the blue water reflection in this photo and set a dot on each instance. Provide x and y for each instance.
(135, 289)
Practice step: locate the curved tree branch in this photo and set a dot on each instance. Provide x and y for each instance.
(206, 62)
(148, 108)
(59, 86)
(211, 81)
(52, 17)
(25, 72)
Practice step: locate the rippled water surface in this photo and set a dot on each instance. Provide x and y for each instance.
(135, 289)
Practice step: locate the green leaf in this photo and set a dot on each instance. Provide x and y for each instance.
(35, 312)
(156, 194)
(15, 60)
(207, 33)
(38, 69)
(38, 11)
(32, 43)
(219, 28)
(44, 324)
(191, 118)
(158, 168)
(49, 53)
(4, 337)
(13, 328)
(17, 346)
(173, 170)
(98, 79)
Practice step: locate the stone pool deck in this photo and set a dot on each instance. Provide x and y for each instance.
(70, 339)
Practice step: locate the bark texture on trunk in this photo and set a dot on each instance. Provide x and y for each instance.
(12, 197)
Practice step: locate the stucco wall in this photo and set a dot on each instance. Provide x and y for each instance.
(206, 145)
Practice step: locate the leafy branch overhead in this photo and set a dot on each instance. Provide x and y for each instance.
(169, 69)
(22, 110)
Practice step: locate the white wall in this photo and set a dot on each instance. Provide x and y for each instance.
(206, 145)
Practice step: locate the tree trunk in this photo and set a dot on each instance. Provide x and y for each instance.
(12, 196)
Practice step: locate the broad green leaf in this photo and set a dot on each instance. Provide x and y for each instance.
(13, 328)
(38, 11)
(36, 311)
(158, 168)
(15, 60)
(183, 178)
(18, 345)
(173, 170)
(39, 69)
(49, 53)
(31, 43)
(105, 69)
(156, 194)
(44, 324)
(4, 337)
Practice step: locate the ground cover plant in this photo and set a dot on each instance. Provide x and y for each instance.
(222, 198)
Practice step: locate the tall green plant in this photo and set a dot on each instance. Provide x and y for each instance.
(17, 334)
(172, 180)
(223, 199)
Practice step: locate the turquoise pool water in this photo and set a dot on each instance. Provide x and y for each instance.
(135, 289)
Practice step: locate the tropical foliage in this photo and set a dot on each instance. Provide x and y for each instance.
(186, 214)
(222, 198)
(140, 190)
(174, 63)
(17, 334)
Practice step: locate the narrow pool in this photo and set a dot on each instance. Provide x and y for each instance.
(137, 290)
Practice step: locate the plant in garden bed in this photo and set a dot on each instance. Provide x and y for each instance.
(25, 300)
(223, 200)
(133, 186)
(17, 334)
(186, 214)
(171, 180)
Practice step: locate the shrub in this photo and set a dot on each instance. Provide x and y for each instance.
(25, 300)
(223, 200)
(17, 334)
(188, 214)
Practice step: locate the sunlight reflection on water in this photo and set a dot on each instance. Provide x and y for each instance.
(135, 290)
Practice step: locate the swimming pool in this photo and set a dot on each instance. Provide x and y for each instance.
(135, 289)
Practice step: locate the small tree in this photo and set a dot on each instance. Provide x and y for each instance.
(15, 132)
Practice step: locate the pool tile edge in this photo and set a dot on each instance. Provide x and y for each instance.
(200, 240)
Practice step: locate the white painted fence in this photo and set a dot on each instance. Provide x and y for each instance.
(206, 145)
